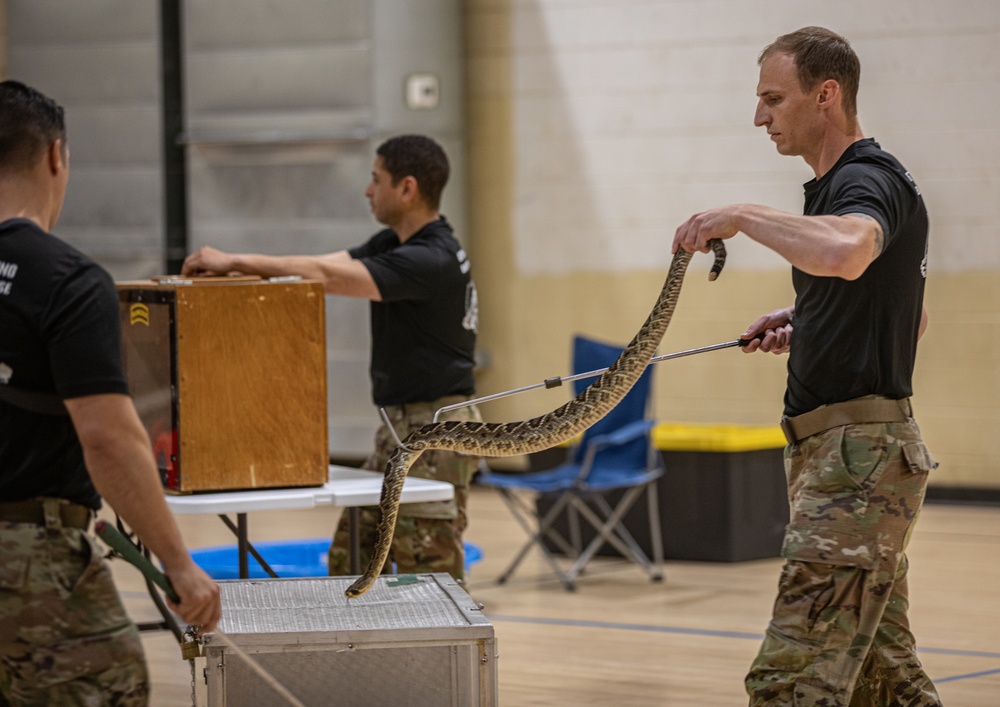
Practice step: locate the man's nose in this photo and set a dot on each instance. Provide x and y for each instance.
(760, 116)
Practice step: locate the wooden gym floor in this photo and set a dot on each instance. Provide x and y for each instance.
(621, 639)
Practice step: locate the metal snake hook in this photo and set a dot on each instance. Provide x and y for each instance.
(556, 381)
(392, 431)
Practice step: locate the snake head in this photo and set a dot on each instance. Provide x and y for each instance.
(360, 586)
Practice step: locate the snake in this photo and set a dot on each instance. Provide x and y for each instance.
(492, 439)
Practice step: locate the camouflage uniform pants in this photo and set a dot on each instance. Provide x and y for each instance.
(65, 638)
(839, 635)
(428, 536)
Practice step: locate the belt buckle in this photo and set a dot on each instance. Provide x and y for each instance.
(786, 426)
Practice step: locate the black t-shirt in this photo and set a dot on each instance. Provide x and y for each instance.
(424, 329)
(855, 338)
(59, 335)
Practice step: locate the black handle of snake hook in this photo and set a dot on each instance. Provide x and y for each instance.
(130, 552)
(744, 342)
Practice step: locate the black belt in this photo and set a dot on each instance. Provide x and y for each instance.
(850, 412)
(71, 515)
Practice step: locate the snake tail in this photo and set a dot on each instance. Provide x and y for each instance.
(396, 469)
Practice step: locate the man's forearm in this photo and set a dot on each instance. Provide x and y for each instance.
(339, 272)
(831, 246)
(133, 490)
(307, 267)
(120, 461)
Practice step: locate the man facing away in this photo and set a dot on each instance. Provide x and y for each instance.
(423, 326)
(69, 435)
(856, 465)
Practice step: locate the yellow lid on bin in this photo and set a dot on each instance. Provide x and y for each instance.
(682, 437)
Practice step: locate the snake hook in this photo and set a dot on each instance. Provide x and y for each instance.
(392, 430)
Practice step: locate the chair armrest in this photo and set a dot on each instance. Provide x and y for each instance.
(622, 435)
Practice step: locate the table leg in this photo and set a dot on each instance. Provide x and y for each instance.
(245, 546)
(241, 542)
(354, 534)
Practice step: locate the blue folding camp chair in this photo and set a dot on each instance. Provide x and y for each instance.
(615, 454)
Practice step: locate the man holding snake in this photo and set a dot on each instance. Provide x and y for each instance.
(423, 324)
(855, 462)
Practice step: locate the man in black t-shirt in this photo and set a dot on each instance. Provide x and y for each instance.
(424, 318)
(856, 465)
(69, 435)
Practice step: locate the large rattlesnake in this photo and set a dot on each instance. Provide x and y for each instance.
(507, 439)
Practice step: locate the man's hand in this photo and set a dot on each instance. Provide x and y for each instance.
(208, 261)
(777, 328)
(200, 603)
(694, 234)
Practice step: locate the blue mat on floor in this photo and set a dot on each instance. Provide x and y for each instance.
(288, 558)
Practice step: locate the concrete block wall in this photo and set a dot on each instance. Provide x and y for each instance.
(594, 127)
(597, 126)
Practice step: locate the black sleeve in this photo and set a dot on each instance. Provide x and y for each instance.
(875, 191)
(82, 331)
(379, 242)
(409, 272)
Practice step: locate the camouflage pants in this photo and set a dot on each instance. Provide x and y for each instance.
(839, 635)
(428, 536)
(65, 638)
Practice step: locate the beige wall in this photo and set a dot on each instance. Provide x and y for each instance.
(580, 172)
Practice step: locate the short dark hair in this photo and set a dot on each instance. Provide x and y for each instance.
(419, 157)
(29, 123)
(820, 55)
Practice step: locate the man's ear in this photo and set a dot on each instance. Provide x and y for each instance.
(410, 190)
(829, 94)
(57, 156)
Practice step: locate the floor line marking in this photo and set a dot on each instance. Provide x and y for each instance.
(980, 674)
(698, 632)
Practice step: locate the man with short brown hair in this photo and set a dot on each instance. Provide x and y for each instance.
(857, 467)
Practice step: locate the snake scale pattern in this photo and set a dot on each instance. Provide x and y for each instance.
(490, 439)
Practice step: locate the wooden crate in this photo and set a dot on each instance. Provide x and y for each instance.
(229, 377)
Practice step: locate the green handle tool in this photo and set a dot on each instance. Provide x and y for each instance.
(130, 552)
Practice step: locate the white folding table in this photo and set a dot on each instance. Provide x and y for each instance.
(347, 488)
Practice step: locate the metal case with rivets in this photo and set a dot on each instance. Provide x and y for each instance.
(410, 640)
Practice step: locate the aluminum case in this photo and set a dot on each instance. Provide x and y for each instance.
(410, 640)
